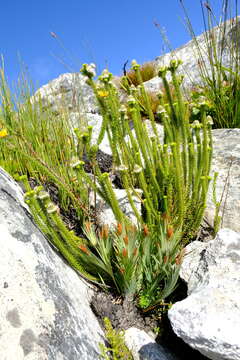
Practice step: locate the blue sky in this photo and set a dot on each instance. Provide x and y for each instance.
(105, 32)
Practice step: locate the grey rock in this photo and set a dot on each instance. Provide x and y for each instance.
(82, 120)
(144, 347)
(192, 257)
(208, 319)
(189, 54)
(45, 312)
(104, 212)
(68, 92)
(226, 161)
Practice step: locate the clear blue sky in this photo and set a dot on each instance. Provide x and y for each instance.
(105, 32)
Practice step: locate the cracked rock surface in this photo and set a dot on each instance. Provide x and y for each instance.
(45, 312)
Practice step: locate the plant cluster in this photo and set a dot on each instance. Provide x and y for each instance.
(141, 260)
(220, 83)
(173, 175)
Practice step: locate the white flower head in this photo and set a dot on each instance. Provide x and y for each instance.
(122, 168)
(52, 208)
(209, 120)
(43, 195)
(137, 169)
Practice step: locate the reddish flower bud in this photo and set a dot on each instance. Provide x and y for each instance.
(180, 256)
(135, 251)
(124, 252)
(104, 232)
(125, 239)
(88, 226)
(145, 230)
(119, 229)
(169, 232)
(166, 217)
(83, 249)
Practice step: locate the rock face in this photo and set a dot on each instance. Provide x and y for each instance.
(68, 91)
(144, 347)
(208, 319)
(189, 53)
(45, 312)
(226, 161)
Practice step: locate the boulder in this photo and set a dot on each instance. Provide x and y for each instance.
(226, 161)
(208, 319)
(68, 92)
(45, 312)
(82, 120)
(144, 347)
(192, 60)
(105, 214)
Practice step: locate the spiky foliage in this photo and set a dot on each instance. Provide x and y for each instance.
(42, 145)
(173, 176)
(135, 262)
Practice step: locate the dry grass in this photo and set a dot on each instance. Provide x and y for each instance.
(148, 71)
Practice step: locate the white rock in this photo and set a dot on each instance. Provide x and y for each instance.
(68, 91)
(82, 120)
(191, 259)
(226, 161)
(209, 318)
(105, 213)
(45, 312)
(190, 56)
(144, 347)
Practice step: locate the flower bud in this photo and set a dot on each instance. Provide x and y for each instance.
(52, 208)
(88, 70)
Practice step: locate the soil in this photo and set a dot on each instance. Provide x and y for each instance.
(124, 313)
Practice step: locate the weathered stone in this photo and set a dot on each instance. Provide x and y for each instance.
(208, 319)
(192, 257)
(82, 120)
(144, 347)
(45, 312)
(105, 213)
(191, 58)
(68, 92)
(226, 161)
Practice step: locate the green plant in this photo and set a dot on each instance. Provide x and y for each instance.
(174, 176)
(117, 349)
(152, 100)
(220, 83)
(134, 262)
(142, 263)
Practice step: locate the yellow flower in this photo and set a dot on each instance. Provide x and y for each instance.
(103, 93)
(3, 132)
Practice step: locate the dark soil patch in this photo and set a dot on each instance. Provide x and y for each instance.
(123, 313)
